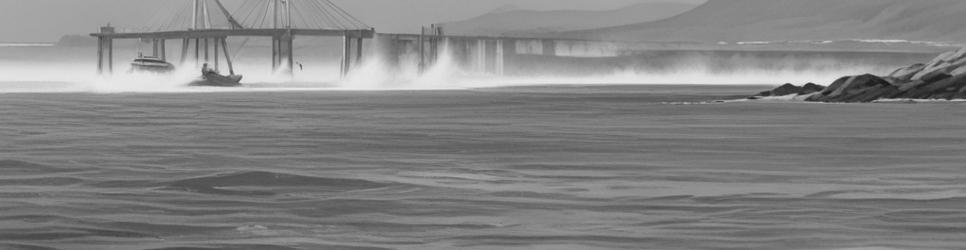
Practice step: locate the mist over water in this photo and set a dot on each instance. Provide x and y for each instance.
(72, 69)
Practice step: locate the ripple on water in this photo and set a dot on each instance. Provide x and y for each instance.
(224, 184)
(479, 170)
(24, 247)
(266, 247)
(20, 168)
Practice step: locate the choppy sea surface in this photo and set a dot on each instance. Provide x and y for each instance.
(552, 167)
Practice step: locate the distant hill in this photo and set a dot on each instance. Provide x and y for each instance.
(509, 20)
(769, 20)
(77, 41)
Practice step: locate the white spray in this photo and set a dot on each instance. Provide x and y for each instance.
(77, 75)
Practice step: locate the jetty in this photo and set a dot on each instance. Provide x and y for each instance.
(211, 24)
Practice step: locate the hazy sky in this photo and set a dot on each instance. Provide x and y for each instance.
(47, 20)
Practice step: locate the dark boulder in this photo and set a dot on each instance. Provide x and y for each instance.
(873, 93)
(905, 74)
(790, 89)
(867, 80)
(786, 89)
(936, 76)
(837, 84)
(911, 85)
(811, 88)
(931, 68)
(894, 81)
(942, 89)
(825, 93)
(850, 88)
(942, 78)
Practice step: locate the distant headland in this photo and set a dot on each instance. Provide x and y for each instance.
(77, 41)
(942, 78)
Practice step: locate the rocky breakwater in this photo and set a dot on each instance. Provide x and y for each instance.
(942, 78)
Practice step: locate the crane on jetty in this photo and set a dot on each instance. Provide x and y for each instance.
(210, 25)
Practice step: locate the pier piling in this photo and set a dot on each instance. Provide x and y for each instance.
(105, 52)
(288, 42)
(197, 51)
(216, 44)
(346, 54)
(359, 51)
(162, 49)
(184, 50)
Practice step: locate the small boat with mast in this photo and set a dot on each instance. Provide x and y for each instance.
(211, 78)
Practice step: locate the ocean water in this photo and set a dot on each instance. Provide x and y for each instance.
(544, 167)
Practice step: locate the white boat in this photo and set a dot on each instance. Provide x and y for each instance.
(151, 64)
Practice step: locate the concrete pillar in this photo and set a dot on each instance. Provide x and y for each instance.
(359, 51)
(468, 48)
(216, 45)
(100, 55)
(105, 45)
(498, 62)
(288, 52)
(162, 47)
(346, 54)
(185, 44)
(274, 54)
(491, 56)
(433, 47)
(207, 58)
(421, 46)
(110, 56)
(549, 47)
(197, 51)
(481, 55)
(154, 47)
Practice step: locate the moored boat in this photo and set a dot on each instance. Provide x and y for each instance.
(211, 78)
(151, 64)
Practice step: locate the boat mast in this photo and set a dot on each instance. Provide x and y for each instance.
(288, 12)
(275, 15)
(224, 46)
(194, 16)
(207, 17)
(231, 19)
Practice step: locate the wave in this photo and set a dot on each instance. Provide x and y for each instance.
(265, 247)
(46, 181)
(60, 233)
(20, 168)
(235, 183)
(24, 247)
